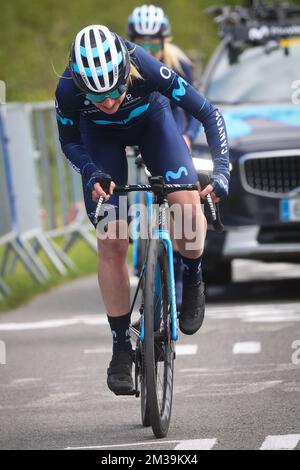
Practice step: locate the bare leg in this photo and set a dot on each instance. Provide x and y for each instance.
(189, 247)
(113, 272)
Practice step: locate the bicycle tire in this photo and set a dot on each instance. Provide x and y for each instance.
(144, 396)
(142, 242)
(158, 345)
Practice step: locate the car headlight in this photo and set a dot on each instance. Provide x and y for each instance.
(205, 164)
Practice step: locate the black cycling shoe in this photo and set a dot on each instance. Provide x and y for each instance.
(119, 374)
(192, 308)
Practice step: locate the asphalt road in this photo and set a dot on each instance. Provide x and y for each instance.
(237, 383)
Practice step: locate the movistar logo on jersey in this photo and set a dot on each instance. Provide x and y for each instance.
(64, 121)
(170, 175)
(134, 114)
(179, 92)
(165, 72)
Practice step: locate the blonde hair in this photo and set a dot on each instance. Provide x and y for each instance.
(134, 74)
(173, 56)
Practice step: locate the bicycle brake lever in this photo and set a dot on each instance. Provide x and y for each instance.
(214, 208)
(98, 209)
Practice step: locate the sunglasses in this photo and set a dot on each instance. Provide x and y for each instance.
(152, 47)
(114, 95)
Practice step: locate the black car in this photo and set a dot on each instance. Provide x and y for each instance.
(254, 79)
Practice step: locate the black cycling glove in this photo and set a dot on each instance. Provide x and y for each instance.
(220, 183)
(93, 175)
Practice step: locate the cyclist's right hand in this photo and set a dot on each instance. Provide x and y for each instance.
(100, 184)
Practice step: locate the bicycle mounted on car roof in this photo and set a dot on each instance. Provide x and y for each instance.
(256, 24)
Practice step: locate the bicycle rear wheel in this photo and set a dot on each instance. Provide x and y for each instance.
(158, 345)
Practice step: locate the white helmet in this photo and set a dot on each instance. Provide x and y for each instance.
(148, 20)
(99, 60)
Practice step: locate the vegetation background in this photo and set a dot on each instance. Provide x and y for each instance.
(35, 34)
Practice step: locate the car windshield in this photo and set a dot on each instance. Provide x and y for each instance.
(257, 77)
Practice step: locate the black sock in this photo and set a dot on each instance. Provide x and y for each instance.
(120, 331)
(193, 271)
(178, 264)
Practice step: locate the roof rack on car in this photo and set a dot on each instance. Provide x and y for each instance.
(257, 22)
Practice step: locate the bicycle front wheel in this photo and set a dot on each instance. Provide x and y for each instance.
(140, 243)
(158, 345)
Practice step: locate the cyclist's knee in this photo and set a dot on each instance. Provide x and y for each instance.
(113, 246)
(113, 250)
(187, 206)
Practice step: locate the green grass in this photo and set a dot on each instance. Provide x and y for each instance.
(24, 288)
(36, 35)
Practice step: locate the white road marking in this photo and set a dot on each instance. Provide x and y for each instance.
(98, 351)
(186, 349)
(89, 320)
(181, 350)
(30, 380)
(196, 444)
(257, 370)
(199, 370)
(247, 347)
(257, 313)
(262, 313)
(287, 442)
(288, 318)
(234, 389)
(206, 443)
(246, 270)
(52, 399)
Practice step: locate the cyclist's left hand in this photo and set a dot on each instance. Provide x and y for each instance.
(187, 141)
(208, 190)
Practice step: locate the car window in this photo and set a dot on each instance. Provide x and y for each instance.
(256, 77)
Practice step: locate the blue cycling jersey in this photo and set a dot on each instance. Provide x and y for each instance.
(186, 123)
(141, 102)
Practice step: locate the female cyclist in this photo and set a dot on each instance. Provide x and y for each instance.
(149, 27)
(114, 94)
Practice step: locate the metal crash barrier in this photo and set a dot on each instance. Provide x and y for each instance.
(9, 231)
(62, 201)
(40, 195)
